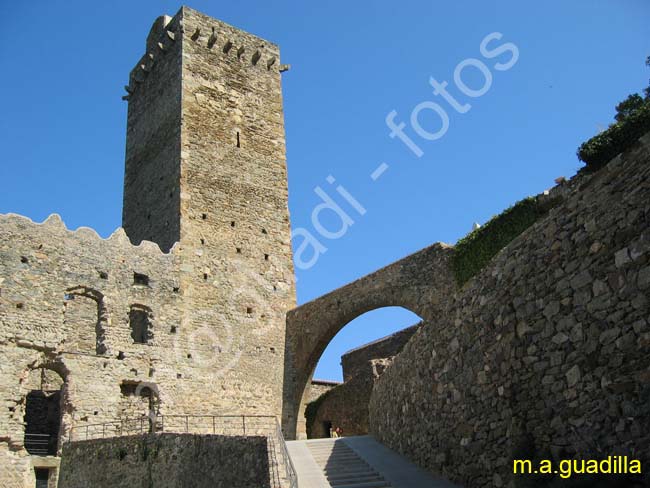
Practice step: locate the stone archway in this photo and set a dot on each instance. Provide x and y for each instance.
(422, 283)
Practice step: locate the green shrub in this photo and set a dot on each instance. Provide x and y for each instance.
(476, 249)
(599, 150)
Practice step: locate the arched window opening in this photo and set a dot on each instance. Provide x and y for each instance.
(86, 318)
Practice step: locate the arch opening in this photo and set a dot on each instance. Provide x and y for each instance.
(353, 327)
(422, 283)
(366, 329)
(44, 411)
(77, 313)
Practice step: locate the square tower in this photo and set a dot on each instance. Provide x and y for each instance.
(205, 133)
(206, 167)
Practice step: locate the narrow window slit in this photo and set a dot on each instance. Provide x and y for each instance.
(140, 279)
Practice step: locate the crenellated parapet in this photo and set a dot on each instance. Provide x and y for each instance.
(224, 42)
(53, 227)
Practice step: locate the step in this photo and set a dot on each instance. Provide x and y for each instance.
(348, 471)
(348, 479)
(355, 475)
(345, 463)
(371, 484)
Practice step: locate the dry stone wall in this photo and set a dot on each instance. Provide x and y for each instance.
(166, 461)
(545, 353)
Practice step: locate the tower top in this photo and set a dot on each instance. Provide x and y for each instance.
(215, 34)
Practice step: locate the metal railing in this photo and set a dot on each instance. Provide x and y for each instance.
(282, 471)
(40, 444)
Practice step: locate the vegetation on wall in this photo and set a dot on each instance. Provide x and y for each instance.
(476, 249)
(632, 121)
(311, 409)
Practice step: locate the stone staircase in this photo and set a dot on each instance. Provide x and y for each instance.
(356, 462)
(342, 467)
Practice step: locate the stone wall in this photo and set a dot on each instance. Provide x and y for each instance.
(320, 387)
(166, 461)
(211, 306)
(346, 406)
(356, 360)
(545, 353)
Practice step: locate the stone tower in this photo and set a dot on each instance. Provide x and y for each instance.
(185, 312)
(205, 167)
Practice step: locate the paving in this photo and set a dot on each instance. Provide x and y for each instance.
(356, 462)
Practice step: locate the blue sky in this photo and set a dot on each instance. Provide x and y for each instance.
(63, 123)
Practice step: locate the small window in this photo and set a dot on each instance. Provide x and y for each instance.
(238, 141)
(135, 388)
(140, 279)
(249, 310)
(204, 216)
(140, 323)
(266, 257)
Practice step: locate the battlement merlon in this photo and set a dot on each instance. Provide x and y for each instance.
(54, 230)
(215, 35)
